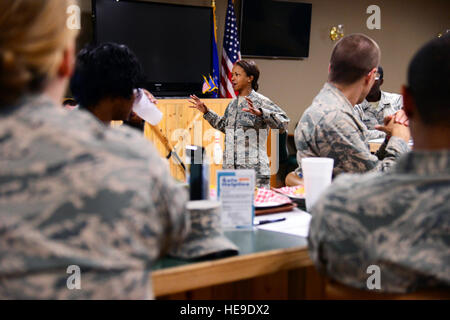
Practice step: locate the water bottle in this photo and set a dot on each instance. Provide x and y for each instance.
(217, 152)
(198, 173)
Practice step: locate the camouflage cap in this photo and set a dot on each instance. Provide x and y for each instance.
(205, 239)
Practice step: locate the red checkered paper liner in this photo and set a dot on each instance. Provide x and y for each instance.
(212, 193)
(295, 192)
(266, 196)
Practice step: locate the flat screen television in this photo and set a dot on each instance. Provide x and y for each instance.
(275, 29)
(172, 42)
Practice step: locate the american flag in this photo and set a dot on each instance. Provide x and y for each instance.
(230, 54)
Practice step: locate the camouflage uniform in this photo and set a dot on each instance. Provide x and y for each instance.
(398, 220)
(331, 128)
(389, 104)
(246, 134)
(74, 192)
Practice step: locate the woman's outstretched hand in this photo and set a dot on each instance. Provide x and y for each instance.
(251, 108)
(198, 104)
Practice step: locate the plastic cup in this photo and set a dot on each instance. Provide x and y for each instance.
(145, 109)
(317, 173)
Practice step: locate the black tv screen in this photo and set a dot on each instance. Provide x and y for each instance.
(275, 29)
(173, 42)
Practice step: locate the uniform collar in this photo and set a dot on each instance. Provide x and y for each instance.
(252, 94)
(339, 95)
(384, 99)
(426, 163)
(34, 100)
(382, 102)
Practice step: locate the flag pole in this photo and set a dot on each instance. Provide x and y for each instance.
(215, 56)
(213, 4)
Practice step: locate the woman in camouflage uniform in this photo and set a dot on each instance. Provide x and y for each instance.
(247, 116)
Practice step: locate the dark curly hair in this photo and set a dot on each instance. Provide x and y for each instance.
(108, 70)
(429, 81)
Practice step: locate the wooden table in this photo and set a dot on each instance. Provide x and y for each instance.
(270, 265)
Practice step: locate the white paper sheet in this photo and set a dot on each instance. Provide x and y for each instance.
(296, 223)
(235, 190)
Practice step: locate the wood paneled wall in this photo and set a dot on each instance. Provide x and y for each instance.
(183, 126)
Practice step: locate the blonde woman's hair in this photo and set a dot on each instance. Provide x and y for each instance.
(33, 36)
